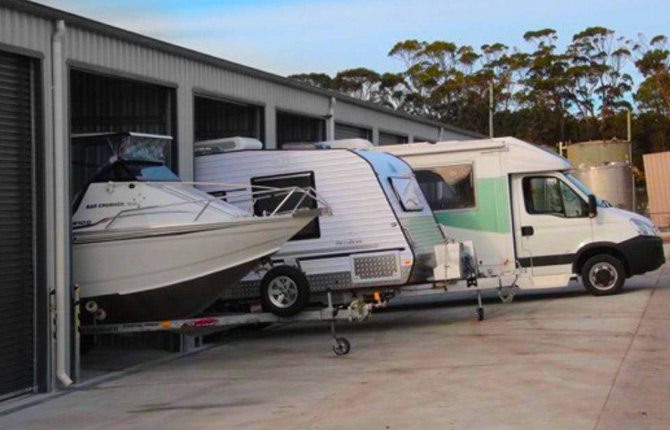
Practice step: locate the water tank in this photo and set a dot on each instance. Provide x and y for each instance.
(612, 182)
(599, 152)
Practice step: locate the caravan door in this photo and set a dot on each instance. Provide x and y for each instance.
(551, 223)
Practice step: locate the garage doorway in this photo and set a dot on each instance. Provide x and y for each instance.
(346, 131)
(295, 128)
(217, 118)
(102, 103)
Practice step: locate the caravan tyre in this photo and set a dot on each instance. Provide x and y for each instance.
(284, 291)
(603, 275)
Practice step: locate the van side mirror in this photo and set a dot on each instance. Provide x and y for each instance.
(593, 206)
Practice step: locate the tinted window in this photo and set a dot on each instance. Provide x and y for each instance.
(549, 195)
(269, 202)
(448, 187)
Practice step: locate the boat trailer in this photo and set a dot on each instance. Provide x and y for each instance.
(356, 311)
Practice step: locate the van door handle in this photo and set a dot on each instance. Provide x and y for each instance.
(527, 230)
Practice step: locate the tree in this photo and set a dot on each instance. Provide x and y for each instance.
(598, 59)
(546, 90)
(653, 94)
(360, 83)
(541, 93)
(320, 80)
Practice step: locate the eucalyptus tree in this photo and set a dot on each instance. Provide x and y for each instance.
(653, 62)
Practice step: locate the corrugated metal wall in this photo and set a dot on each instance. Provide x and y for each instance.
(656, 171)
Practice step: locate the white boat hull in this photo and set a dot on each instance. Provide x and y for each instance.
(174, 274)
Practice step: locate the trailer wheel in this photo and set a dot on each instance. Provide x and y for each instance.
(341, 346)
(284, 291)
(603, 275)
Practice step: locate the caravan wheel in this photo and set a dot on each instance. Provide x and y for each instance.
(284, 291)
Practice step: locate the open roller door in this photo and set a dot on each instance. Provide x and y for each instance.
(101, 104)
(217, 118)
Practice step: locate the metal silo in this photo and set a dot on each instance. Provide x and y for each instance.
(612, 182)
(599, 152)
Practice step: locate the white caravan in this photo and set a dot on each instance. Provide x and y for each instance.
(380, 235)
(532, 223)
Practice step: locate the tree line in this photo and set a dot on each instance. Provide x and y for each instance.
(543, 93)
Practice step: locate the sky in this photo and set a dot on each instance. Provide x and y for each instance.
(294, 36)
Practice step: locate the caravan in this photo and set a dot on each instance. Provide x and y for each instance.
(532, 223)
(381, 233)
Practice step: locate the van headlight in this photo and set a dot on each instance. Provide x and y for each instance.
(643, 228)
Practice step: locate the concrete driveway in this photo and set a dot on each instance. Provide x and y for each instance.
(549, 361)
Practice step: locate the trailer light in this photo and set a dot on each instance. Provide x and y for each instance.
(166, 324)
(377, 296)
(407, 262)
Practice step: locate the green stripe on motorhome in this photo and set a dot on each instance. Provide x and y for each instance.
(491, 213)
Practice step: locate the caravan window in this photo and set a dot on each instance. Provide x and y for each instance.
(408, 193)
(268, 203)
(448, 187)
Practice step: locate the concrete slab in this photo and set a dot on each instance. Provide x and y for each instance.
(559, 360)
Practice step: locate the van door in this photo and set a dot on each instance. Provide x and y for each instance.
(551, 222)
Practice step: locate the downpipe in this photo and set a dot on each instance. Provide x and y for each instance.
(60, 197)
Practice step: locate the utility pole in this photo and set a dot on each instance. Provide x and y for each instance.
(491, 109)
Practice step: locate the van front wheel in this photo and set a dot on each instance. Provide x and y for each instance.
(603, 275)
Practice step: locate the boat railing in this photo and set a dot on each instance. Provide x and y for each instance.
(252, 194)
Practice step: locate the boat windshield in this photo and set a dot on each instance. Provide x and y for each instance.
(141, 171)
(93, 152)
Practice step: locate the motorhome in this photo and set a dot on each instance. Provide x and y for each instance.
(532, 223)
(380, 235)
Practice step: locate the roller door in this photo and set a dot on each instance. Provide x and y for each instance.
(344, 131)
(101, 104)
(391, 138)
(215, 119)
(17, 229)
(293, 128)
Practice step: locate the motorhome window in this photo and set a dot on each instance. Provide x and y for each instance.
(448, 187)
(584, 189)
(408, 193)
(575, 206)
(266, 203)
(551, 196)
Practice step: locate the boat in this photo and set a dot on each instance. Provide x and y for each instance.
(148, 246)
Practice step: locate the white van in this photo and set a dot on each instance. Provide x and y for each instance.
(532, 223)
